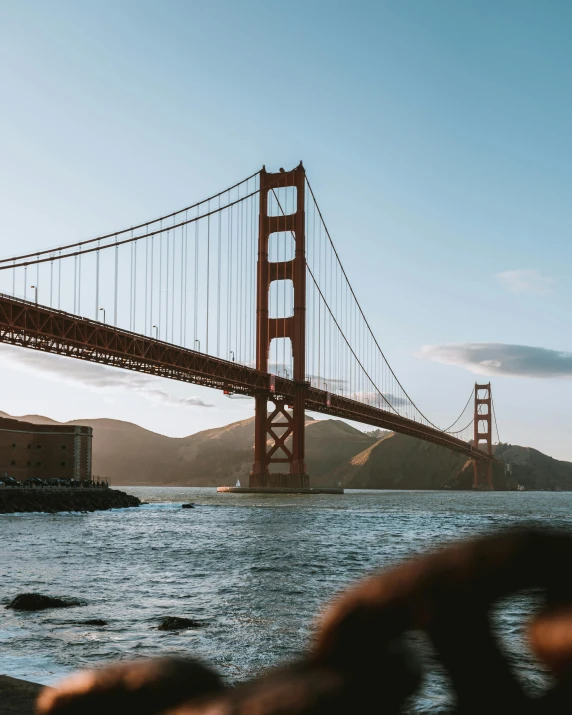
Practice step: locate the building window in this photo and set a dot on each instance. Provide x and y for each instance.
(62, 464)
(38, 446)
(13, 463)
(38, 464)
(63, 447)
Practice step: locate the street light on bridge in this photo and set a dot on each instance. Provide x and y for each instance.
(156, 327)
(199, 343)
(35, 288)
(232, 353)
(103, 310)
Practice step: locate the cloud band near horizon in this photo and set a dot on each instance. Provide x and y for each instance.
(502, 359)
(93, 375)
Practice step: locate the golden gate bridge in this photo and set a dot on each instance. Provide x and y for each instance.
(242, 292)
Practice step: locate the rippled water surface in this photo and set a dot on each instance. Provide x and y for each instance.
(253, 569)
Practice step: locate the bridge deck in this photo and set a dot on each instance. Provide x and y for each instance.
(39, 327)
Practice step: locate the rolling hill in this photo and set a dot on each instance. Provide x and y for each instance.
(130, 455)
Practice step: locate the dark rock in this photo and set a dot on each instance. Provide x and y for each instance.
(174, 623)
(39, 602)
(55, 500)
(94, 622)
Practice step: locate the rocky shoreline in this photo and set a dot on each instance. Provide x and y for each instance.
(55, 500)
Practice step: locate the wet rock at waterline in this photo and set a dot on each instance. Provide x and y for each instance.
(52, 501)
(40, 602)
(174, 623)
(93, 622)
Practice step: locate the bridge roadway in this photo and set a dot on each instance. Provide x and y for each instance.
(39, 327)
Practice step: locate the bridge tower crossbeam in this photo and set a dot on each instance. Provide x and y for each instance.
(287, 418)
(483, 437)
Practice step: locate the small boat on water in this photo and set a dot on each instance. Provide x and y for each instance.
(190, 505)
(237, 483)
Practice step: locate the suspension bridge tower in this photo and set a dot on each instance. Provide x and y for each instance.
(483, 437)
(286, 418)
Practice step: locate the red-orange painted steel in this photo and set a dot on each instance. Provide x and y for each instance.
(483, 419)
(41, 328)
(272, 430)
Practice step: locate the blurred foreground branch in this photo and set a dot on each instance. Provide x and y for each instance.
(360, 661)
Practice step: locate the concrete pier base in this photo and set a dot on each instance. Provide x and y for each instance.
(280, 490)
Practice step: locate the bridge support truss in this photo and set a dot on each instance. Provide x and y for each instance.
(286, 419)
(483, 437)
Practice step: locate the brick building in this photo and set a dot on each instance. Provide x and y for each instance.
(44, 451)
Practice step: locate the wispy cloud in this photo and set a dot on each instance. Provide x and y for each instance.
(525, 280)
(379, 399)
(92, 375)
(502, 359)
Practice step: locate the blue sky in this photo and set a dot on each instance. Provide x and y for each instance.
(436, 136)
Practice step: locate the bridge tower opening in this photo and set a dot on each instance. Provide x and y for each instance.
(483, 437)
(286, 419)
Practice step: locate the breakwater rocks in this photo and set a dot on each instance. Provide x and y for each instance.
(58, 499)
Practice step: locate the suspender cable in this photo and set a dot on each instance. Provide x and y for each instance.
(146, 285)
(160, 325)
(173, 285)
(181, 341)
(218, 282)
(135, 287)
(167, 288)
(196, 301)
(115, 234)
(208, 276)
(151, 304)
(96, 285)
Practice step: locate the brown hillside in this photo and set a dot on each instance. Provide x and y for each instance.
(396, 461)
(127, 454)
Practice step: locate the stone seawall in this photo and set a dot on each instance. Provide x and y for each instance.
(57, 499)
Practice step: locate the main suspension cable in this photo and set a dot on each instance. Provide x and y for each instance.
(131, 228)
(365, 319)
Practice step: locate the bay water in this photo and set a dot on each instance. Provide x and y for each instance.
(255, 570)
